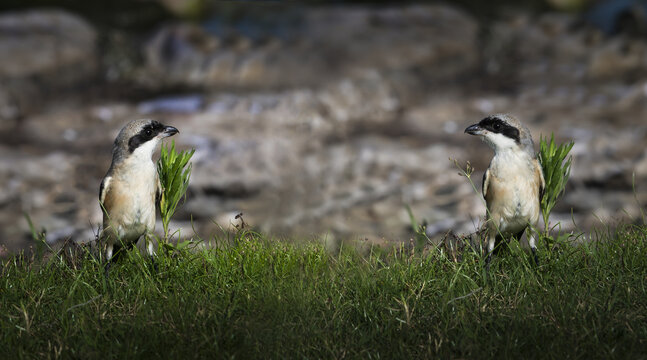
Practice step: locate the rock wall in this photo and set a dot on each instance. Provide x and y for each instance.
(43, 53)
(332, 127)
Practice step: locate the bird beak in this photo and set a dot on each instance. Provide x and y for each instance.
(474, 130)
(170, 131)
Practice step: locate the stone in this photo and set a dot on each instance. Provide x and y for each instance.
(393, 39)
(43, 42)
(182, 104)
(618, 58)
(43, 51)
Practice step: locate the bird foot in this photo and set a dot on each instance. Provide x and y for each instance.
(106, 269)
(534, 255)
(153, 263)
(488, 259)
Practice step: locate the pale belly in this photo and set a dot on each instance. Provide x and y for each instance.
(133, 214)
(516, 205)
(514, 224)
(131, 225)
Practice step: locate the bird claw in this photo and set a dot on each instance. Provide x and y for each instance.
(488, 259)
(154, 264)
(534, 255)
(106, 269)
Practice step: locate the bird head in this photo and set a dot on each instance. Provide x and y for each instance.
(141, 137)
(503, 132)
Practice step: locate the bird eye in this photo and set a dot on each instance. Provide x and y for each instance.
(149, 132)
(496, 126)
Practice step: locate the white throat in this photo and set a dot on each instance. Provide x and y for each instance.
(500, 143)
(144, 153)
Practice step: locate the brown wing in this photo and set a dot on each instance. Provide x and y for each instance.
(105, 202)
(486, 183)
(158, 191)
(104, 190)
(488, 194)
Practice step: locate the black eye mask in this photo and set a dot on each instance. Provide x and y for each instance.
(498, 126)
(147, 133)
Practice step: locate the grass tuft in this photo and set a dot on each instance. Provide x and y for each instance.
(174, 172)
(557, 169)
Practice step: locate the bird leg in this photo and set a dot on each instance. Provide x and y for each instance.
(490, 250)
(533, 248)
(108, 260)
(149, 246)
(151, 251)
(106, 269)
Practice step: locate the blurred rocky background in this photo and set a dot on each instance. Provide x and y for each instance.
(319, 120)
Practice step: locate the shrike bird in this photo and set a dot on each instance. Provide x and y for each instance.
(129, 190)
(513, 184)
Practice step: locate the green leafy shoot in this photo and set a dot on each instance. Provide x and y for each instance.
(174, 172)
(557, 169)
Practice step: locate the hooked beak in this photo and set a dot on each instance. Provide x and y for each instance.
(474, 130)
(170, 131)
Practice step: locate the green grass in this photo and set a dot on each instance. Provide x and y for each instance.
(261, 298)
